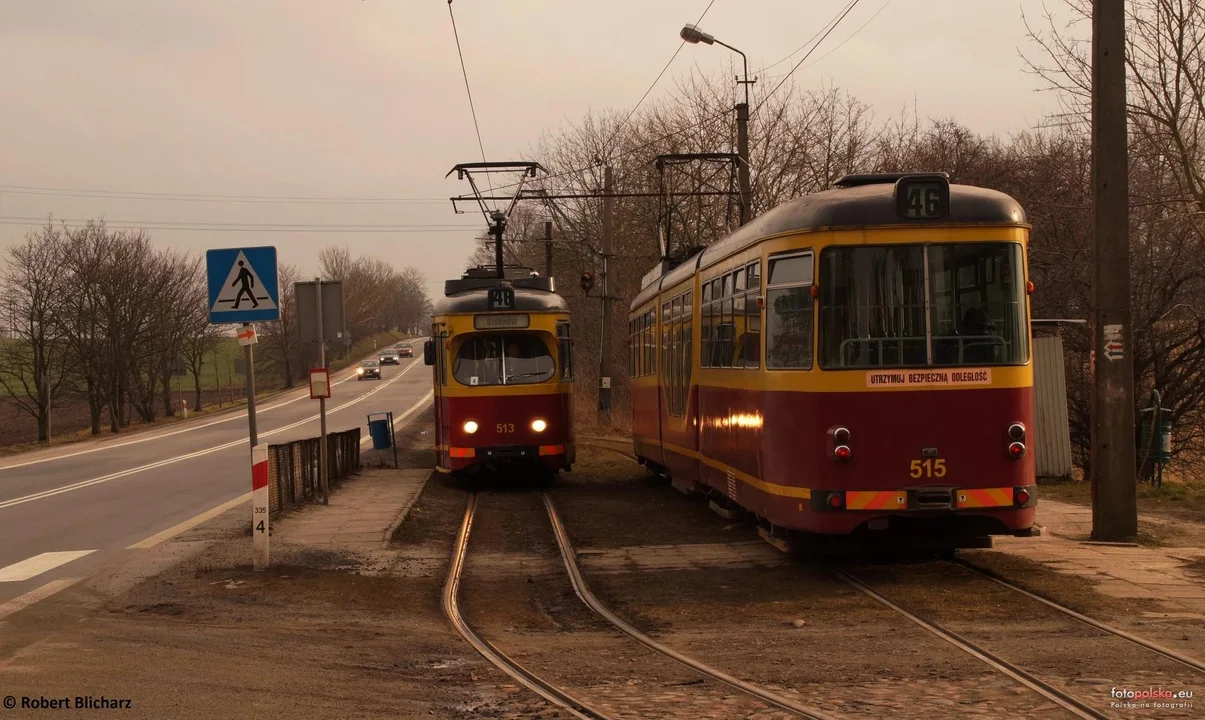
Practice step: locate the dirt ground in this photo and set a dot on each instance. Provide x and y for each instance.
(327, 633)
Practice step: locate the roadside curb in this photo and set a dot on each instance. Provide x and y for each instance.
(387, 535)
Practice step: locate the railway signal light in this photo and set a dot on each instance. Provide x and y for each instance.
(587, 282)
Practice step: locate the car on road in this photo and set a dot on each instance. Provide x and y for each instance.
(404, 349)
(389, 356)
(369, 369)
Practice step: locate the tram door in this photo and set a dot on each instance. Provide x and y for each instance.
(439, 378)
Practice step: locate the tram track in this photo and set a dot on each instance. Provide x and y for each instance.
(451, 604)
(1029, 680)
(583, 592)
(553, 692)
(1166, 652)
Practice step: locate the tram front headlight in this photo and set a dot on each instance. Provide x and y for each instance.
(470, 427)
(538, 425)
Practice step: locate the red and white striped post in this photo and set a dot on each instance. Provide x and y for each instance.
(259, 504)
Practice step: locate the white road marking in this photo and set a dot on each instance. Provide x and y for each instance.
(303, 395)
(150, 466)
(38, 564)
(36, 595)
(413, 408)
(189, 524)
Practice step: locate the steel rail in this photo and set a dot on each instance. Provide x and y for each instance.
(1069, 702)
(524, 677)
(587, 597)
(1148, 644)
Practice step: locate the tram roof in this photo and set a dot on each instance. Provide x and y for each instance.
(477, 301)
(858, 201)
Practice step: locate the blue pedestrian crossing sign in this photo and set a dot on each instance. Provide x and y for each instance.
(242, 285)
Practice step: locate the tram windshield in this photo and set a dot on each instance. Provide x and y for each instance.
(510, 359)
(873, 311)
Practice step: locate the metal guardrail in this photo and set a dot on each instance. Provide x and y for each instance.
(293, 467)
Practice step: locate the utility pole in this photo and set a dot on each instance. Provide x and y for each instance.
(742, 149)
(499, 225)
(249, 358)
(608, 248)
(323, 469)
(548, 248)
(1114, 503)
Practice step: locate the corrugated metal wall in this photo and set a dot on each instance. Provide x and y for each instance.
(1051, 433)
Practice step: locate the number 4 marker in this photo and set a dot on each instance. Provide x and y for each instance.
(259, 504)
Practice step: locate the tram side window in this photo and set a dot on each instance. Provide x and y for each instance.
(789, 312)
(705, 327)
(650, 355)
(749, 339)
(717, 324)
(872, 307)
(685, 356)
(640, 345)
(564, 340)
(632, 349)
(728, 325)
(666, 338)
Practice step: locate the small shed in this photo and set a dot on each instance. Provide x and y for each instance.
(1052, 430)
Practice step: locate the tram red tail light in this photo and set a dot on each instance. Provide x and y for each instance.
(842, 452)
(1016, 450)
(836, 500)
(1021, 497)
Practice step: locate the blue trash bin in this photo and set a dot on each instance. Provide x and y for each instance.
(379, 430)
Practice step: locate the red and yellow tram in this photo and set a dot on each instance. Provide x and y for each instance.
(853, 362)
(502, 362)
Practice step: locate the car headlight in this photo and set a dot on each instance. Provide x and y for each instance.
(359, 371)
(538, 425)
(470, 427)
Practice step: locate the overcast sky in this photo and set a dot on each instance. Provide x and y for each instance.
(113, 99)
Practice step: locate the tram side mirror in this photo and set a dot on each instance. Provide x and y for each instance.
(429, 352)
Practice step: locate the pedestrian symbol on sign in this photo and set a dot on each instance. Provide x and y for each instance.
(243, 289)
(247, 279)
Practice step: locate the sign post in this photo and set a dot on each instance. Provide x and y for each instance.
(259, 504)
(320, 319)
(243, 289)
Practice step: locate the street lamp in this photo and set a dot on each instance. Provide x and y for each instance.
(693, 35)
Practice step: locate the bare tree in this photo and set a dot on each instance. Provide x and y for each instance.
(87, 252)
(281, 347)
(199, 338)
(33, 367)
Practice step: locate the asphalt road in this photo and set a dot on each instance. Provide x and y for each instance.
(66, 514)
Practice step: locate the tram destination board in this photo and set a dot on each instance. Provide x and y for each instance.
(923, 197)
(512, 321)
(502, 298)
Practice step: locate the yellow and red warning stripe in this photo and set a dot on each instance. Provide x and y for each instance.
(876, 500)
(985, 497)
